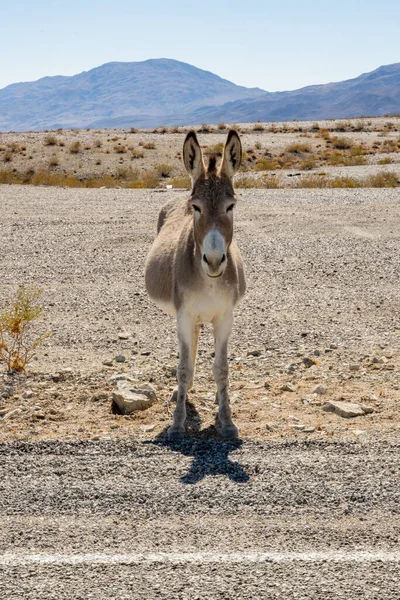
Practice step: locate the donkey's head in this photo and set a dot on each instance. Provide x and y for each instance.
(213, 200)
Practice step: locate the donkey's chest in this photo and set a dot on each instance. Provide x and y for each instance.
(207, 304)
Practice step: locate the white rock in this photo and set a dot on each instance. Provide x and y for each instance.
(345, 409)
(130, 398)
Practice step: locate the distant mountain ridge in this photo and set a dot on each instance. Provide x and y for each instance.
(168, 92)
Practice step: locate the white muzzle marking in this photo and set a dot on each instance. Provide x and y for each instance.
(213, 258)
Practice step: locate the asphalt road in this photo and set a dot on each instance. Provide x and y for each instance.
(201, 519)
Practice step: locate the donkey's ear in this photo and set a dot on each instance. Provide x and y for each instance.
(232, 155)
(193, 156)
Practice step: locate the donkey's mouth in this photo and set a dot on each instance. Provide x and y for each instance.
(215, 276)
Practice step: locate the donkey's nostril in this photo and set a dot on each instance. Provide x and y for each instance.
(223, 259)
(205, 259)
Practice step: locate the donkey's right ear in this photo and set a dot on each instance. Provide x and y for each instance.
(193, 156)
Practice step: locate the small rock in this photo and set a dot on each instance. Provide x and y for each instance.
(359, 432)
(145, 353)
(267, 385)
(309, 429)
(124, 335)
(288, 387)
(130, 398)
(308, 362)
(319, 389)
(298, 427)
(7, 392)
(254, 352)
(147, 428)
(317, 353)
(107, 363)
(269, 427)
(56, 377)
(344, 409)
(28, 394)
(12, 413)
(333, 346)
(354, 367)
(120, 358)
(367, 409)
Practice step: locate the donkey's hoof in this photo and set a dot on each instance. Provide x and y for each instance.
(176, 434)
(230, 433)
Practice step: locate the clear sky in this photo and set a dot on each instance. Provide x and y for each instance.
(278, 45)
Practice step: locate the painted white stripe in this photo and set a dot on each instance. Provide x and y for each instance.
(335, 556)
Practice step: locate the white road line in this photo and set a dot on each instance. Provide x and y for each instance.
(335, 556)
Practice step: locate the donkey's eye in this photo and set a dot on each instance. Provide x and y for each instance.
(196, 208)
(230, 207)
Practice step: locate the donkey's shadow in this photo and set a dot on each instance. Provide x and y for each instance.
(210, 453)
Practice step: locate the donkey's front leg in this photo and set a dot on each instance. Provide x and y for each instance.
(222, 331)
(187, 336)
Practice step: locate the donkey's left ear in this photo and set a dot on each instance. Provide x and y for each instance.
(232, 155)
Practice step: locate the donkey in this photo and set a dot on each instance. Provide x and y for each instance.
(194, 270)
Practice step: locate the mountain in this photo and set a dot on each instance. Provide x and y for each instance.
(168, 92)
(134, 93)
(372, 94)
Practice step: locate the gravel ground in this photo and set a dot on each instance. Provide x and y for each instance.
(293, 520)
(322, 308)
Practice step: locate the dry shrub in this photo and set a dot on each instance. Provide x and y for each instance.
(120, 149)
(18, 343)
(50, 140)
(386, 179)
(182, 181)
(164, 169)
(341, 143)
(258, 127)
(149, 145)
(267, 164)
(298, 147)
(135, 153)
(75, 147)
(215, 149)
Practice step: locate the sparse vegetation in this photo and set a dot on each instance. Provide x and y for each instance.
(18, 341)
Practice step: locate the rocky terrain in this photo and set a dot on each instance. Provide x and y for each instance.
(319, 323)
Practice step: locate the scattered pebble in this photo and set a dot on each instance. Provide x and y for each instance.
(288, 387)
(120, 358)
(254, 352)
(319, 389)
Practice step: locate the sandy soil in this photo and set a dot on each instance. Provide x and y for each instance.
(323, 285)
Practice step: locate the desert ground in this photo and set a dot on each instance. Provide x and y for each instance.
(321, 309)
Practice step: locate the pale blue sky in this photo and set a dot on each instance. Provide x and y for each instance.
(278, 45)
